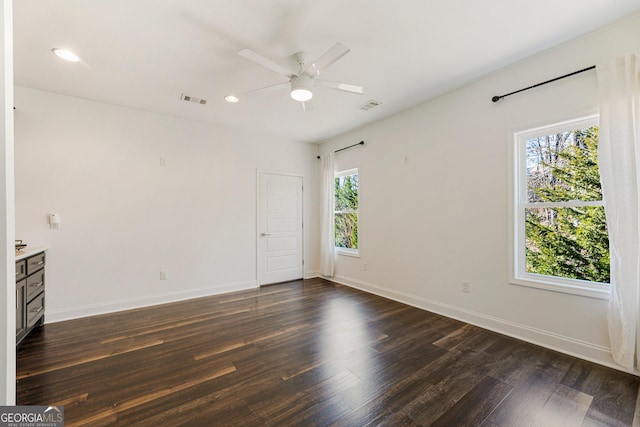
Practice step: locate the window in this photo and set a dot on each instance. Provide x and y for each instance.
(560, 233)
(346, 212)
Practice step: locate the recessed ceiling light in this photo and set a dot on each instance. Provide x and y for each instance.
(231, 98)
(66, 54)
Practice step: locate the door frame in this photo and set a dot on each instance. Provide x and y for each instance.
(259, 172)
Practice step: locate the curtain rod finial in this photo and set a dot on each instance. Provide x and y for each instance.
(496, 98)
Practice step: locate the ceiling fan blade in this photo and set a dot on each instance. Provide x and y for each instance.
(307, 106)
(265, 62)
(327, 59)
(341, 86)
(267, 89)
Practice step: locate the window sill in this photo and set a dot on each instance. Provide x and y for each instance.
(348, 252)
(567, 288)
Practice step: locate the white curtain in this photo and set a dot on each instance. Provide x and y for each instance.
(619, 161)
(327, 238)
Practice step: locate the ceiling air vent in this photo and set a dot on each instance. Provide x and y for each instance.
(193, 99)
(369, 105)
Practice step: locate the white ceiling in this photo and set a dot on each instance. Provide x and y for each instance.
(145, 53)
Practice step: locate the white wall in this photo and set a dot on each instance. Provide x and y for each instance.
(124, 217)
(441, 219)
(7, 260)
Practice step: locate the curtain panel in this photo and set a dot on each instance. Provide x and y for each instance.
(327, 202)
(619, 162)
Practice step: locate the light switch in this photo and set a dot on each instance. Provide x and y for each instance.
(54, 221)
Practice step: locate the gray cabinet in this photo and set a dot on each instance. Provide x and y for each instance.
(21, 269)
(30, 274)
(21, 320)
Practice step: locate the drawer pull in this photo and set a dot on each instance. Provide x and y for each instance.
(37, 310)
(36, 285)
(37, 263)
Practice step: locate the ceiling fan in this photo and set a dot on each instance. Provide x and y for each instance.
(303, 81)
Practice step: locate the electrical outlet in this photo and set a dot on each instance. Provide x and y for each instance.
(466, 287)
(163, 161)
(164, 275)
(365, 266)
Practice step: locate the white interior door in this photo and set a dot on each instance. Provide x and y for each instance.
(279, 228)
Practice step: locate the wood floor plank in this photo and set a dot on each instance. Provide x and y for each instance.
(636, 415)
(458, 336)
(108, 413)
(565, 407)
(611, 392)
(80, 359)
(476, 405)
(529, 396)
(464, 373)
(311, 353)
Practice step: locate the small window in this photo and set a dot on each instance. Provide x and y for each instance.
(560, 232)
(346, 212)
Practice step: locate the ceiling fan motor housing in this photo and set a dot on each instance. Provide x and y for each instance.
(301, 88)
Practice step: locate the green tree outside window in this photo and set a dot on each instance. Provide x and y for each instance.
(565, 241)
(346, 211)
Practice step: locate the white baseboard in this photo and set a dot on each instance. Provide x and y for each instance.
(311, 274)
(131, 303)
(577, 348)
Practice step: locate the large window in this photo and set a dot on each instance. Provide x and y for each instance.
(560, 232)
(346, 212)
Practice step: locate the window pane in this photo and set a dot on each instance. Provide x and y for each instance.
(563, 167)
(568, 242)
(346, 193)
(346, 230)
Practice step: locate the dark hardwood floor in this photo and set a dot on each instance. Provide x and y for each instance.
(309, 353)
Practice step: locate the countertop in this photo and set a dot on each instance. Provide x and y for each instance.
(27, 252)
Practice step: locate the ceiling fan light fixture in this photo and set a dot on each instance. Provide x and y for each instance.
(301, 95)
(301, 88)
(231, 98)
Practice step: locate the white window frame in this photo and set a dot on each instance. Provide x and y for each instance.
(348, 251)
(518, 274)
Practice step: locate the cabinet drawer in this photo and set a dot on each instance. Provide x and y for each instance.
(21, 270)
(35, 310)
(35, 263)
(35, 284)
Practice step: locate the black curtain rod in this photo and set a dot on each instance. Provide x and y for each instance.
(351, 146)
(498, 98)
